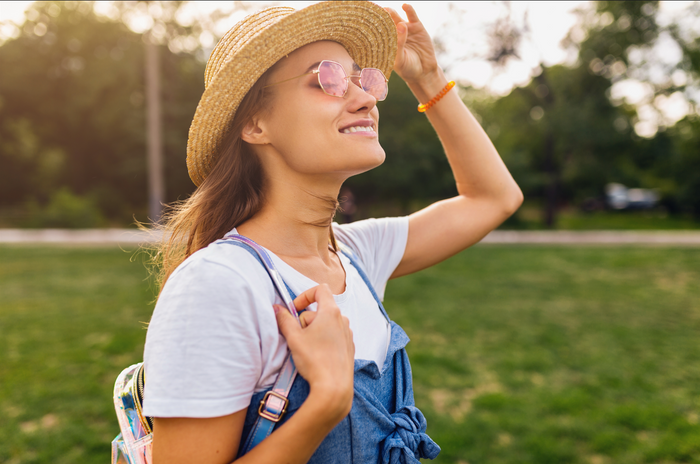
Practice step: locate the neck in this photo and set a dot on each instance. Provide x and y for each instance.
(295, 218)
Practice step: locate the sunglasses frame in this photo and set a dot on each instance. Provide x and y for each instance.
(347, 86)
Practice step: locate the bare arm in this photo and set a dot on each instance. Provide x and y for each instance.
(487, 193)
(324, 355)
(216, 440)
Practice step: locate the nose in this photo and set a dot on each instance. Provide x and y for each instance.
(359, 99)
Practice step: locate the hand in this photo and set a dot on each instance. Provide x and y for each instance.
(415, 55)
(324, 352)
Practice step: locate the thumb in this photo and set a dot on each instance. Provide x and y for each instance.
(288, 326)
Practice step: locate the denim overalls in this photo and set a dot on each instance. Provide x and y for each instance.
(384, 424)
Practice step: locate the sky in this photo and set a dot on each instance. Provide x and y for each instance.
(461, 27)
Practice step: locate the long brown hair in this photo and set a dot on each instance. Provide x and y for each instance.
(232, 193)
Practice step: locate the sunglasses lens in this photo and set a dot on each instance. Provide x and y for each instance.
(332, 78)
(374, 83)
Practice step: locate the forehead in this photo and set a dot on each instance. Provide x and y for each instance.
(307, 58)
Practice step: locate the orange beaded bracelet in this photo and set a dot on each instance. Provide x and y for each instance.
(443, 92)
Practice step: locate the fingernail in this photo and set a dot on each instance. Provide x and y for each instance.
(277, 308)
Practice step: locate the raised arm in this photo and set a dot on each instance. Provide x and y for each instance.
(487, 192)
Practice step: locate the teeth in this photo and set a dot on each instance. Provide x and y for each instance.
(350, 130)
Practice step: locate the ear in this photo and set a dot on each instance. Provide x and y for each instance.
(254, 133)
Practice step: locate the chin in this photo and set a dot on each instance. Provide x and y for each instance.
(380, 160)
(371, 162)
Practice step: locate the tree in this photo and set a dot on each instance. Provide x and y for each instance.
(570, 129)
(72, 116)
(558, 133)
(622, 43)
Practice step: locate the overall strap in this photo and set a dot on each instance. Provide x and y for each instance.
(274, 403)
(355, 261)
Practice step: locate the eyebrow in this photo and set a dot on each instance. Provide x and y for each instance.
(355, 67)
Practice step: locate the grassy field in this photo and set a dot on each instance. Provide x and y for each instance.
(520, 354)
(69, 322)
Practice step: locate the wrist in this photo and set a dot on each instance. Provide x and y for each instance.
(428, 85)
(332, 401)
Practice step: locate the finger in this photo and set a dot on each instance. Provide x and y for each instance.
(306, 318)
(320, 294)
(394, 15)
(401, 38)
(410, 13)
(286, 323)
(401, 25)
(401, 35)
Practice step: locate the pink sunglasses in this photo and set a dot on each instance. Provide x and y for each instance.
(334, 81)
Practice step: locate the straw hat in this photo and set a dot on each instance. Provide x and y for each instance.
(256, 43)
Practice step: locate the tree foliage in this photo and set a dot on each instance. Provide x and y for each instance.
(72, 116)
(619, 33)
(562, 135)
(557, 134)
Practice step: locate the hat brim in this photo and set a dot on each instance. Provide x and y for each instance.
(255, 44)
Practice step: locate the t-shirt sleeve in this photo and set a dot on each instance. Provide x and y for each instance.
(203, 353)
(378, 243)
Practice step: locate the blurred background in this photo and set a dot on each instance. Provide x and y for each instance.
(521, 353)
(593, 107)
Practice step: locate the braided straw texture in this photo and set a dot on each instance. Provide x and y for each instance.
(256, 43)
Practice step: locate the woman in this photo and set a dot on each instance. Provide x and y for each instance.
(277, 132)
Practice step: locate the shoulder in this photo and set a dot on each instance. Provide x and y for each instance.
(210, 333)
(219, 292)
(220, 266)
(214, 284)
(365, 236)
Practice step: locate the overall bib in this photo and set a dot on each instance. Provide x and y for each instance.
(384, 424)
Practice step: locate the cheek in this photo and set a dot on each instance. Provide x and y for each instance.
(303, 125)
(306, 136)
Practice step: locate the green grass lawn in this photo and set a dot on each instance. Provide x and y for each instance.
(70, 320)
(520, 354)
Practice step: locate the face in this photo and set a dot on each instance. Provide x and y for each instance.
(306, 132)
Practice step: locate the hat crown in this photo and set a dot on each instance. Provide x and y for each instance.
(239, 35)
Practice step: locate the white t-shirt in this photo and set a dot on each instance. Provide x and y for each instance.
(213, 339)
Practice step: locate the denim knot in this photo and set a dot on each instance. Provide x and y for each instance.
(408, 442)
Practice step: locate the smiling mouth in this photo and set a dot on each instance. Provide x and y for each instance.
(350, 130)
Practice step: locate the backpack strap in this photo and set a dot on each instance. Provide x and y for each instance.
(274, 403)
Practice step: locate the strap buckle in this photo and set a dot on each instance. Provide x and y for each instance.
(272, 416)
